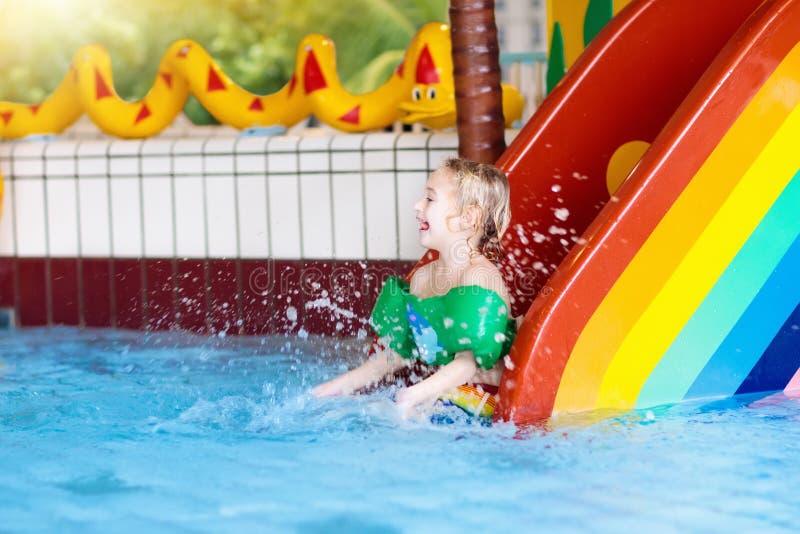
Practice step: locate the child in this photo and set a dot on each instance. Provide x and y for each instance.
(455, 312)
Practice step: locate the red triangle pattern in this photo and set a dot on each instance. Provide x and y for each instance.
(313, 78)
(292, 84)
(167, 77)
(215, 83)
(35, 108)
(256, 105)
(399, 69)
(101, 89)
(426, 68)
(352, 116)
(6, 116)
(143, 114)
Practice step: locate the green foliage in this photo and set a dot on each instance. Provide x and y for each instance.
(253, 40)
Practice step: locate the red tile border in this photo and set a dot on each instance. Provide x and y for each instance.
(223, 312)
(128, 293)
(65, 291)
(191, 307)
(32, 298)
(258, 285)
(97, 309)
(8, 268)
(160, 305)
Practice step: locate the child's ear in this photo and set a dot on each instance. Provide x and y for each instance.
(471, 216)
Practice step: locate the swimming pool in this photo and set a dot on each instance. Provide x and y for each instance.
(112, 430)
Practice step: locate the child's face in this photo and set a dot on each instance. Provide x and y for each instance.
(436, 212)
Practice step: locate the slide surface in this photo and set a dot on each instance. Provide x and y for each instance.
(684, 283)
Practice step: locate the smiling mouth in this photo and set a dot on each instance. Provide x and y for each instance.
(423, 226)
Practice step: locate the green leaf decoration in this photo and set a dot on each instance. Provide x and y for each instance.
(598, 13)
(556, 62)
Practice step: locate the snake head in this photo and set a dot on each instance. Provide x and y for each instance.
(432, 105)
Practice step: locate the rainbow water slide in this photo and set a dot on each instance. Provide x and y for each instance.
(685, 282)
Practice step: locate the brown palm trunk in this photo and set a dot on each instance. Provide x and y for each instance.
(476, 72)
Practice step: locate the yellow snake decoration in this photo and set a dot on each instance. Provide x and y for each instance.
(420, 90)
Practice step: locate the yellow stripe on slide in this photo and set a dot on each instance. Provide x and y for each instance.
(672, 238)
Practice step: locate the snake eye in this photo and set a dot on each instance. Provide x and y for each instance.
(416, 94)
(431, 93)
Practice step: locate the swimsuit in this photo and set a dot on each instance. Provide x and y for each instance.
(435, 329)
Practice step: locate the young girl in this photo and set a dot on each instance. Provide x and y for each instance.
(454, 314)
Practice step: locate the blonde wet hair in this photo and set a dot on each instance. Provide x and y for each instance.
(486, 187)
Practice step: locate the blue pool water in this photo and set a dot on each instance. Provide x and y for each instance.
(105, 431)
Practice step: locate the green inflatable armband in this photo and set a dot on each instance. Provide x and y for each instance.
(435, 329)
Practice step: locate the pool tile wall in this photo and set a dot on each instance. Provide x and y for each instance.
(251, 235)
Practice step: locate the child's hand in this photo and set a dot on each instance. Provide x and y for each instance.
(406, 404)
(328, 389)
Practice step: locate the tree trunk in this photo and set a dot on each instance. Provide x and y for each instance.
(476, 73)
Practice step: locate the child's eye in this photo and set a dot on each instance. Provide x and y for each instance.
(429, 199)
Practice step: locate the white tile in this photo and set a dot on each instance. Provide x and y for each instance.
(412, 160)
(314, 161)
(315, 196)
(30, 220)
(7, 219)
(190, 217)
(218, 164)
(381, 216)
(62, 149)
(27, 167)
(346, 161)
(92, 166)
(284, 216)
(251, 145)
(282, 163)
(156, 165)
(348, 216)
(348, 142)
(60, 166)
(221, 205)
(224, 145)
(409, 190)
(32, 150)
(6, 150)
(123, 166)
(412, 140)
(125, 147)
(438, 156)
(443, 141)
(320, 143)
(379, 160)
(126, 220)
(283, 143)
(157, 203)
(253, 240)
(94, 148)
(188, 146)
(95, 233)
(251, 164)
(379, 141)
(62, 216)
(157, 147)
(188, 165)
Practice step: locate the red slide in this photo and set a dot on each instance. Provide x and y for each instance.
(624, 88)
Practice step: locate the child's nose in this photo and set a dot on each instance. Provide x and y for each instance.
(418, 205)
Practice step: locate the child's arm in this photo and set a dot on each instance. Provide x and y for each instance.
(366, 374)
(458, 372)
